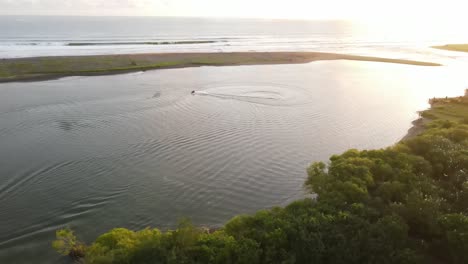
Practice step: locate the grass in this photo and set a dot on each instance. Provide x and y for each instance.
(77, 66)
(453, 109)
(115, 69)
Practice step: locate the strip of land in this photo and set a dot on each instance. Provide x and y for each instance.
(453, 47)
(45, 68)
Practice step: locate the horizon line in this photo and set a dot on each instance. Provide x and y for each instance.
(198, 17)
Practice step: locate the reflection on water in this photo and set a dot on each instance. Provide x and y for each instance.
(139, 150)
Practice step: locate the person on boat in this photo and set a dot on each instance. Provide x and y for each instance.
(193, 92)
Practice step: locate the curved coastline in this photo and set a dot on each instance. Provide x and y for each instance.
(416, 129)
(362, 196)
(47, 68)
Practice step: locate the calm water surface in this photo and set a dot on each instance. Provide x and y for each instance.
(138, 150)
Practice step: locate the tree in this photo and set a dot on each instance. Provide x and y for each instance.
(66, 243)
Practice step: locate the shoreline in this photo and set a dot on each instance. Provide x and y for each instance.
(48, 68)
(412, 160)
(418, 127)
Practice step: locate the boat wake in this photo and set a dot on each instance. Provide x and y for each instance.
(259, 94)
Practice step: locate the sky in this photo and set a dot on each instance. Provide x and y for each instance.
(290, 9)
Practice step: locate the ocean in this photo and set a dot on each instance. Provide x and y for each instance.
(28, 36)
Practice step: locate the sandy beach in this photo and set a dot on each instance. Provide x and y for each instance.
(453, 47)
(45, 68)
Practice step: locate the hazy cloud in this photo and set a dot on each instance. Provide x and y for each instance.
(79, 7)
(314, 9)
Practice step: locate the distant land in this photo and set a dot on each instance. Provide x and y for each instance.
(453, 47)
(46, 68)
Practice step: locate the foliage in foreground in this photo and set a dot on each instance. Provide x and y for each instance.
(404, 204)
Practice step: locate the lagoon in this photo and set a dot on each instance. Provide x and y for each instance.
(138, 150)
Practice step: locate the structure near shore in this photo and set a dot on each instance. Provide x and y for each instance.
(461, 99)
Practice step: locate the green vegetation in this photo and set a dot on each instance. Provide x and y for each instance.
(453, 47)
(21, 69)
(67, 244)
(452, 109)
(404, 204)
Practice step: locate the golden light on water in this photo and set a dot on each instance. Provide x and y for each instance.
(418, 19)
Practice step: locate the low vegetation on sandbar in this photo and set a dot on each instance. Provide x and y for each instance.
(43, 68)
(407, 203)
(453, 47)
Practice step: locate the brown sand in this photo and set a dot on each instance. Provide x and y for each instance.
(453, 47)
